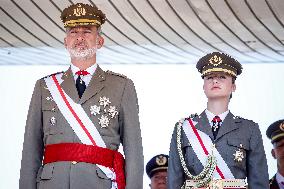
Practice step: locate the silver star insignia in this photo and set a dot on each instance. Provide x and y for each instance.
(95, 110)
(104, 101)
(239, 155)
(49, 98)
(52, 120)
(112, 111)
(104, 121)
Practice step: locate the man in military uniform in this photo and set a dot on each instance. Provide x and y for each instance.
(78, 118)
(275, 133)
(156, 170)
(217, 149)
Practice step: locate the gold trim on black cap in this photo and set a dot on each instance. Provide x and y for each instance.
(219, 70)
(158, 169)
(218, 62)
(274, 138)
(275, 131)
(81, 22)
(81, 14)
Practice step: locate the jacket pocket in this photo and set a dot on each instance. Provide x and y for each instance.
(101, 174)
(39, 174)
(45, 172)
(238, 149)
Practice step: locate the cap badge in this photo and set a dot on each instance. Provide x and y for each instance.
(281, 126)
(79, 11)
(239, 154)
(215, 60)
(161, 160)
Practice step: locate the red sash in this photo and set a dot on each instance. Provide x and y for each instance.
(88, 154)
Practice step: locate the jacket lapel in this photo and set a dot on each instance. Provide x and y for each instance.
(96, 85)
(228, 125)
(203, 124)
(68, 85)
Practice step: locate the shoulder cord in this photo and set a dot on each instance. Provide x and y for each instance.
(206, 174)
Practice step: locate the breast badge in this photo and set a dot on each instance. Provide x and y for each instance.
(52, 121)
(95, 110)
(104, 109)
(239, 154)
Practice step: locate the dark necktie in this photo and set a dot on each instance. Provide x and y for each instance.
(216, 123)
(80, 84)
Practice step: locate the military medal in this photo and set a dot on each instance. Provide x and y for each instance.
(52, 120)
(112, 111)
(239, 154)
(104, 101)
(108, 112)
(104, 121)
(95, 110)
(49, 98)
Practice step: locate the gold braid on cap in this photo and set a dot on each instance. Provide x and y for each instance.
(219, 70)
(82, 22)
(277, 136)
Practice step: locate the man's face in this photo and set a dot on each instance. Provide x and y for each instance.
(159, 180)
(218, 85)
(278, 152)
(82, 42)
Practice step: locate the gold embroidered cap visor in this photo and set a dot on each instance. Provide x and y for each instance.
(218, 62)
(82, 15)
(275, 131)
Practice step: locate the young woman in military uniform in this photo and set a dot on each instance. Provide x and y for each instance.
(217, 149)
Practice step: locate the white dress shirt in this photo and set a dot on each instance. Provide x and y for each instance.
(86, 78)
(210, 116)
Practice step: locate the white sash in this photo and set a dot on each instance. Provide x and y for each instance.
(82, 126)
(201, 143)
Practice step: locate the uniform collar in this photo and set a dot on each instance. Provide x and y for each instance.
(90, 69)
(210, 115)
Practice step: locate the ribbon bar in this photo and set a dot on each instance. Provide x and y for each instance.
(218, 184)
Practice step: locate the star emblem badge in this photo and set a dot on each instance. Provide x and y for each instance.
(239, 154)
(95, 110)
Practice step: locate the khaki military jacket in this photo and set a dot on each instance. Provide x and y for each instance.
(233, 133)
(46, 125)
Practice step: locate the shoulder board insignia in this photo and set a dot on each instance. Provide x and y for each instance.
(54, 74)
(193, 115)
(117, 74)
(241, 118)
